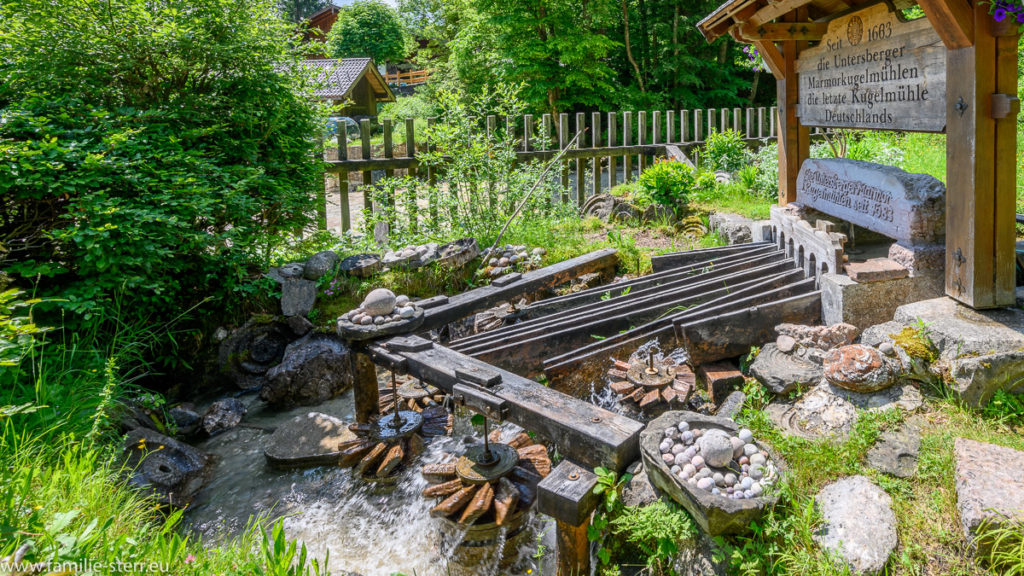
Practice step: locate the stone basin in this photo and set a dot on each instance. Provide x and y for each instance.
(356, 332)
(458, 253)
(714, 514)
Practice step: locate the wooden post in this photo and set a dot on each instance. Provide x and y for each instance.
(684, 126)
(711, 121)
(389, 152)
(760, 122)
(641, 131)
(794, 139)
(413, 207)
(595, 142)
(321, 196)
(627, 140)
(364, 384)
(670, 126)
(573, 549)
(698, 125)
(432, 179)
(580, 193)
(364, 137)
(527, 132)
(613, 140)
(980, 171)
(737, 120)
(751, 132)
(563, 142)
(346, 215)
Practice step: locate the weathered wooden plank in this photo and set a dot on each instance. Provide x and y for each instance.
(573, 549)
(684, 126)
(613, 141)
(567, 494)
(737, 120)
(794, 139)
(656, 127)
(595, 142)
(563, 144)
(461, 305)
(1005, 174)
(760, 122)
(527, 132)
(675, 153)
(346, 214)
(364, 138)
(751, 131)
(367, 397)
(412, 206)
(627, 141)
(579, 193)
(581, 431)
(732, 334)
(666, 262)
(711, 121)
(641, 132)
(698, 123)
(953, 20)
(782, 31)
(670, 126)
(389, 153)
(723, 124)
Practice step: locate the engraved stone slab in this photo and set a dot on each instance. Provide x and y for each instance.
(872, 70)
(910, 208)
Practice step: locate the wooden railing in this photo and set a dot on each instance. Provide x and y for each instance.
(406, 78)
(630, 140)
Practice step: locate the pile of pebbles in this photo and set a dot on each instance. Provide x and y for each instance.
(412, 255)
(713, 460)
(507, 258)
(381, 307)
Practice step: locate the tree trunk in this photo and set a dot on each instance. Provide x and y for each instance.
(629, 51)
(753, 88)
(675, 58)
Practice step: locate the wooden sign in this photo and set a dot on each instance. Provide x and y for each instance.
(873, 71)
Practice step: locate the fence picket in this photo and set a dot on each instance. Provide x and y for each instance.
(613, 141)
(627, 140)
(595, 142)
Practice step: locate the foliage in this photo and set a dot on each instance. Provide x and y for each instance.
(1005, 408)
(916, 343)
(1006, 545)
(609, 486)
(17, 332)
(298, 10)
(668, 183)
(766, 160)
(724, 151)
(367, 29)
(1000, 10)
(655, 530)
(149, 148)
(480, 184)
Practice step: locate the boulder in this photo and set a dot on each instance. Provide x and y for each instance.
(732, 405)
(858, 524)
(300, 325)
(734, 228)
(820, 337)
(896, 451)
(782, 373)
(829, 411)
(361, 265)
(310, 439)
(458, 253)
(878, 334)
(298, 296)
(860, 368)
(223, 415)
(989, 491)
(379, 302)
(638, 491)
(186, 419)
(170, 470)
(319, 264)
(314, 370)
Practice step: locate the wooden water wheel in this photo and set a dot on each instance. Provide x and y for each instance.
(413, 394)
(477, 488)
(393, 439)
(648, 385)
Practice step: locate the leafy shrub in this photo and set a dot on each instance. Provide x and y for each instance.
(667, 182)
(724, 151)
(705, 186)
(159, 149)
(766, 161)
(655, 531)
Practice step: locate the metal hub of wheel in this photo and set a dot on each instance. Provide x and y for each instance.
(478, 467)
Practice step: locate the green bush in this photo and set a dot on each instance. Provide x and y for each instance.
(667, 182)
(158, 149)
(367, 29)
(724, 151)
(766, 180)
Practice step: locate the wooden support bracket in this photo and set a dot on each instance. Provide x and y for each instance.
(953, 20)
(1004, 105)
(567, 495)
(782, 31)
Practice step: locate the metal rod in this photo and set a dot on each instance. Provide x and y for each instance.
(396, 423)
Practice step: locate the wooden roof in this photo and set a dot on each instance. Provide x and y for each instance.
(745, 20)
(338, 76)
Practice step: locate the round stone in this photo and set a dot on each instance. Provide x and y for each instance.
(406, 312)
(750, 449)
(737, 446)
(697, 462)
(379, 302)
(716, 491)
(756, 489)
(737, 495)
(757, 472)
(716, 449)
(669, 459)
(718, 478)
(676, 469)
(746, 483)
(688, 437)
(504, 262)
(689, 470)
(746, 435)
(366, 320)
(690, 453)
(401, 300)
(378, 320)
(704, 483)
(729, 479)
(886, 348)
(859, 368)
(665, 446)
(683, 426)
(678, 449)
(748, 493)
(743, 460)
(539, 251)
(492, 262)
(758, 459)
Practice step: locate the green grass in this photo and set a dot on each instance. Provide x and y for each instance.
(930, 538)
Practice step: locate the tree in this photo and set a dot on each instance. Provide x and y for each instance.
(367, 29)
(157, 149)
(298, 10)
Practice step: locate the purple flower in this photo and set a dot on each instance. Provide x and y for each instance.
(1000, 14)
(1020, 17)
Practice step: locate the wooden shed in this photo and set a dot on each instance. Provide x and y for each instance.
(353, 83)
(977, 111)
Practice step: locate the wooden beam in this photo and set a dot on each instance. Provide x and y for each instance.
(365, 388)
(953, 20)
(772, 58)
(776, 10)
(980, 172)
(781, 31)
(582, 431)
(567, 493)
(794, 139)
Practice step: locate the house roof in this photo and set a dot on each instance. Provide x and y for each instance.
(337, 77)
(735, 15)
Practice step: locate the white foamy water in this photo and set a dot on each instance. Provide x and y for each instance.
(367, 529)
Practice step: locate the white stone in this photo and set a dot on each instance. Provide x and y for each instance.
(378, 302)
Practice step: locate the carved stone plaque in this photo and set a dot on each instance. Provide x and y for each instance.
(873, 71)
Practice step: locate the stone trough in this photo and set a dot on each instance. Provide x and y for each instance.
(715, 514)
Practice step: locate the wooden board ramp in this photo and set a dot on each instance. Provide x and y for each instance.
(690, 257)
(582, 431)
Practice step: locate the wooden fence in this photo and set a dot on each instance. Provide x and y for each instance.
(631, 140)
(407, 78)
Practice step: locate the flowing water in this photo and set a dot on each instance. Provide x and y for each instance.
(367, 529)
